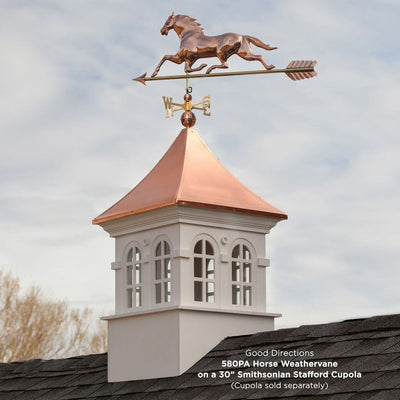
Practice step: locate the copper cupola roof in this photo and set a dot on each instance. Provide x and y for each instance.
(189, 174)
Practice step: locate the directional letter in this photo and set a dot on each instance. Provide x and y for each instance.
(168, 106)
(206, 105)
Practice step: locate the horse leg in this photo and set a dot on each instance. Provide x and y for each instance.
(254, 57)
(224, 64)
(188, 66)
(246, 53)
(174, 58)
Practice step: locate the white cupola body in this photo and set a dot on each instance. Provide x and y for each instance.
(190, 263)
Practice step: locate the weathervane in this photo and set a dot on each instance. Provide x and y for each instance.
(195, 45)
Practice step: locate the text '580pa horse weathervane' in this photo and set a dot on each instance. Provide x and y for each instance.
(195, 45)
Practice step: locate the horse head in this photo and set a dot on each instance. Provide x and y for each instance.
(169, 24)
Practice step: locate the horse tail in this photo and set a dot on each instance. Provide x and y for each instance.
(258, 43)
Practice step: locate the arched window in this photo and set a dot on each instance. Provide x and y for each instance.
(134, 289)
(241, 275)
(204, 271)
(162, 265)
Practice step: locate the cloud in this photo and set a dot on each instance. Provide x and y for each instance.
(77, 134)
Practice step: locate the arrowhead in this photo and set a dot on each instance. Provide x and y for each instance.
(141, 79)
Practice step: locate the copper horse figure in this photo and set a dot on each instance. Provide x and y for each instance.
(196, 45)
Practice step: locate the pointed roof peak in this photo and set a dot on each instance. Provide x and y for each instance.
(189, 174)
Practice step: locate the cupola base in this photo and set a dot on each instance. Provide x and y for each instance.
(170, 341)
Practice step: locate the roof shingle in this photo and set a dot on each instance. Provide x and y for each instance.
(369, 347)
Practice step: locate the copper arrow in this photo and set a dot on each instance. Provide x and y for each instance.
(296, 70)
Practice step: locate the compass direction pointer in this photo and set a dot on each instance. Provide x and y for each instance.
(171, 107)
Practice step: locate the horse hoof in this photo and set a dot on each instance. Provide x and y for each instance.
(270, 67)
(154, 74)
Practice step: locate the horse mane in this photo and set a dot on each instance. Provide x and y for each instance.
(195, 26)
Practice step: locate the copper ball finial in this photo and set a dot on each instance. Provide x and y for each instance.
(188, 119)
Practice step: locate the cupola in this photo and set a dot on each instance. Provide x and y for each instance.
(190, 263)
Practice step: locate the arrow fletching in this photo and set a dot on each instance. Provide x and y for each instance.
(296, 76)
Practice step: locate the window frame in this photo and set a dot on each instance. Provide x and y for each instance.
(242, 274)
(204, 279)
(133, 277)
(162, 272)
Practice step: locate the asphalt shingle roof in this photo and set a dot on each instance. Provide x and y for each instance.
(369, 346)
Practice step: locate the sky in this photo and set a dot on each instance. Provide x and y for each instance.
(77, 134)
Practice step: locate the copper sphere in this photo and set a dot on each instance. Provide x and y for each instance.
(188, 119)
(187, 97)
